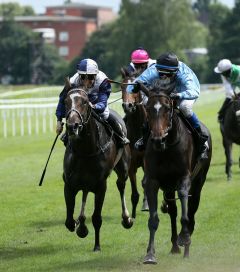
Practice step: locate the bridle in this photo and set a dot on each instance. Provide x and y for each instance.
(83, 122)
(159, 95)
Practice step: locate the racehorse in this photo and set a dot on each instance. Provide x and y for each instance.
(171, 164)
(135, 118)
(230, 130)
(91, 154)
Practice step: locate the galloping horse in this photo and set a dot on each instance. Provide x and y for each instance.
(171, 165)
(91, 154)
(230, 130)
(135, 117)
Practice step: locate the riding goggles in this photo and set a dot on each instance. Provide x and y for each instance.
(86, 76)
(166, 71)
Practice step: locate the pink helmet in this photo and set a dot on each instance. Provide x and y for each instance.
(139, 56)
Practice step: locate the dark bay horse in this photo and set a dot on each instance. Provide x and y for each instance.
(135, 118)
(91, 154)
(171, 165)
(230, 130)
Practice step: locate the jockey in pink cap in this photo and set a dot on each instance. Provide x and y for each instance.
(140, 61)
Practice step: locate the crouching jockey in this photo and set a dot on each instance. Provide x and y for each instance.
(98, 89)
(181, 84)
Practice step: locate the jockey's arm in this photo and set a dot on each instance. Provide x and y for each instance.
(104, 93)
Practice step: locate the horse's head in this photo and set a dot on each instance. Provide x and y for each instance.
(159, 112)
(130, 101)
(78, 110)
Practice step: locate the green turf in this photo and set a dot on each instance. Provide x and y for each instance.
(32, 232)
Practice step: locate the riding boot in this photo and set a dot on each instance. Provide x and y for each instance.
(118, 131)
(222, 111)
(201, 136)
(142, 142)
(64, 138)
(202, 143)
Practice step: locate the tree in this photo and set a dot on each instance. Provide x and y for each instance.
(157, 25)
(218, 14)
(24, 57)
(9, 10)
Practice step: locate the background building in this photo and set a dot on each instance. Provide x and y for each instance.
(68, 26)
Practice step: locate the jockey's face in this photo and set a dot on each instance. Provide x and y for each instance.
(88, 80)
(140, 67)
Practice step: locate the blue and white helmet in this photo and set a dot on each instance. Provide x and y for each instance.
(87, 67)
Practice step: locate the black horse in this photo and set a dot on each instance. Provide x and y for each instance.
(171, 165)
(230, 130)
(91, 154)
(135, 118)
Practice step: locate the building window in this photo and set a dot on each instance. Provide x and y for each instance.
(63, 36)
(63, 51)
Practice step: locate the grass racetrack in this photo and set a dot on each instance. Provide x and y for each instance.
(32, 232)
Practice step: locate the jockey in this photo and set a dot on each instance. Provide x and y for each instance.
(230, 75)
(181, 84)
(140, 61)
(98, 88)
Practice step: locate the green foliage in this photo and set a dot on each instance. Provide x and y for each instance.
(9, 10)
(217, 24)
(157, 25)
(24, 56)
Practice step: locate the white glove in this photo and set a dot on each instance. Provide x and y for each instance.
(59, 127)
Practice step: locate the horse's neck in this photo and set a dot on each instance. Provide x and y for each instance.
(175, 131)
(88, 142)
(136, 120)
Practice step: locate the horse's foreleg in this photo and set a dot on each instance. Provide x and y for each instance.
(82, 230)
(70, 204)
(184, 236)
(135, 194)
(97, 215)
(172, 211)
(153, 222)
(145, 203)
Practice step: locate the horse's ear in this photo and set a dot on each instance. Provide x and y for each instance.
(67, 83)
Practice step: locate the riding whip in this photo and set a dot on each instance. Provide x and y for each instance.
(44, 171)
(120, 83)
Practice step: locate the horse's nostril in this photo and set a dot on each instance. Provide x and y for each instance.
(130, 105)
(75, 125)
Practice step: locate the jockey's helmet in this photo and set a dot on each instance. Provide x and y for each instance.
(139, 56)
(167, 63)
(87, 67)
(223, 66)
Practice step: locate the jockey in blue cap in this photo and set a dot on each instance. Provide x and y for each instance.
(180, 83)
(98, 89)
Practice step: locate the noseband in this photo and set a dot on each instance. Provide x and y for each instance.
(82, 121)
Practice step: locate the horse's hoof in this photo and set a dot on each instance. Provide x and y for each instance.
(82, 231)
(149, 259)
(97, 248)
(145, 207)
(70, 225)
(127, 223)
(175, 250)
(183, 240)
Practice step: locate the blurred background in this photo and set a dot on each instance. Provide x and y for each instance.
(41, 41)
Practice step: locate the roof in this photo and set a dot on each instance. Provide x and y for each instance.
(79, 5)
(40, 18)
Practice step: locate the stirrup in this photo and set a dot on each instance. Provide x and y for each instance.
(203, 152)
